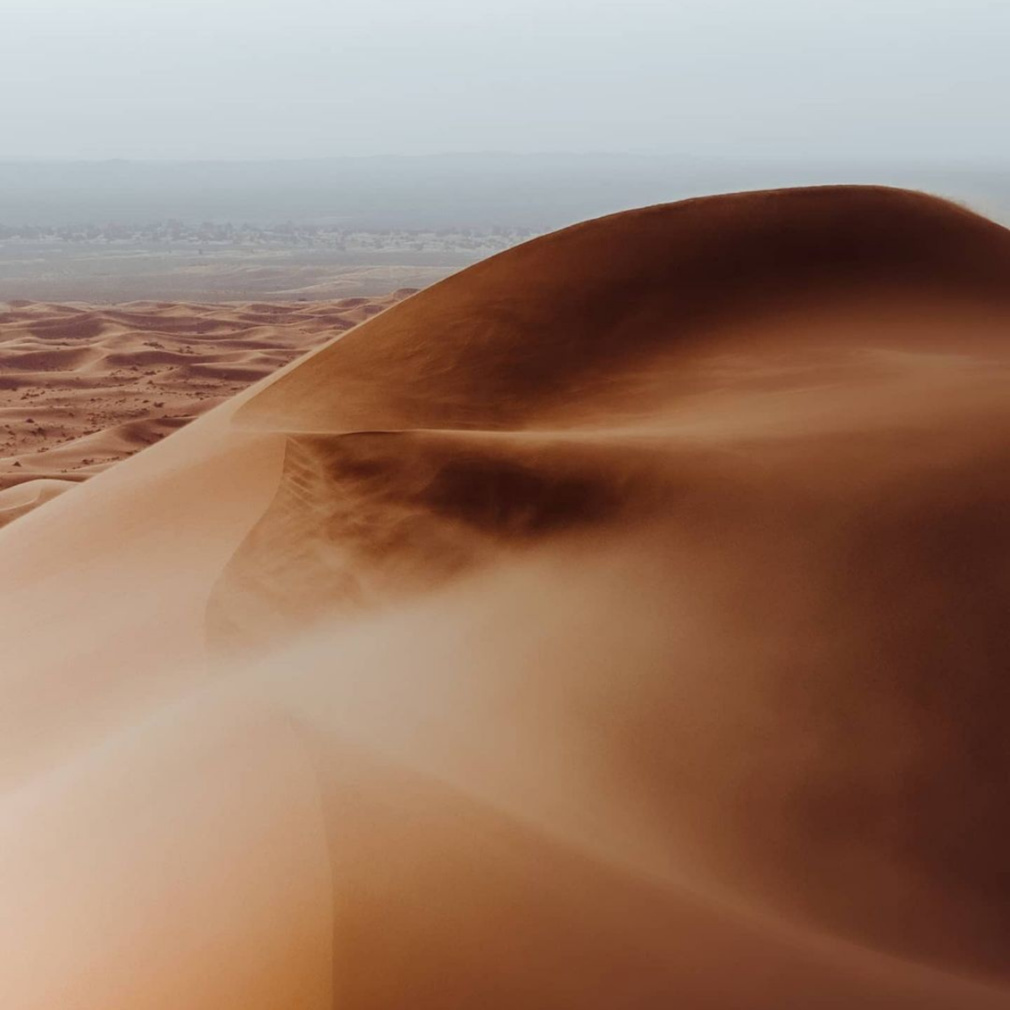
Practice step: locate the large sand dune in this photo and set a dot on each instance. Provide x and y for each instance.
(620, 622)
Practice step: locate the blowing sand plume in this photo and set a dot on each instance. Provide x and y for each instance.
(619, 622)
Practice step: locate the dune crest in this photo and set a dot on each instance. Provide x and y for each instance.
(624, 609)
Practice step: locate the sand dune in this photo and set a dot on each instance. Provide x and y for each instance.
(620, 622)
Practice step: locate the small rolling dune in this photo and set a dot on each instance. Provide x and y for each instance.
(620, 622)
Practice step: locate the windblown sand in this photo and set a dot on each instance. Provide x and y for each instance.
(621, 622)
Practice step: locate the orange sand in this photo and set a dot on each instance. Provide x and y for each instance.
(620, 622)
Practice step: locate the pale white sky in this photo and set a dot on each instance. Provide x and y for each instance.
(863, 79)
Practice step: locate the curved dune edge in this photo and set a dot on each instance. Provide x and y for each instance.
(617, 293)
(546, 699)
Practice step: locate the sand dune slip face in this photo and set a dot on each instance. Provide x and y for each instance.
(82, 387)
(619, 622)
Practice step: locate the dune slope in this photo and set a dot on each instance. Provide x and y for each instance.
(618, 622)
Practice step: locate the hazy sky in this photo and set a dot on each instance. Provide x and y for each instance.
(921, 80)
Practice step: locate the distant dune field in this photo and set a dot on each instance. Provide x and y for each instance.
(82, 387)
(618, 623)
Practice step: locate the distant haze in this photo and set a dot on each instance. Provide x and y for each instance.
(263, 79)
(476, 191)
(208, 231)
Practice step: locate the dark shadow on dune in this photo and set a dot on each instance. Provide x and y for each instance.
(363, 520)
